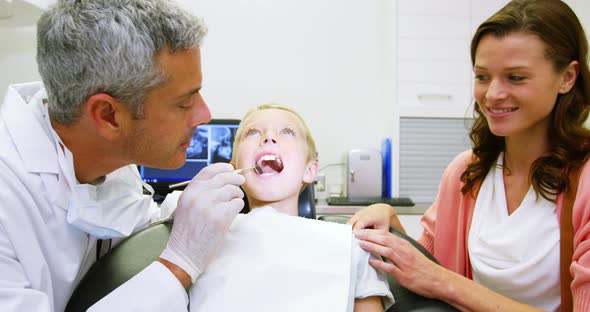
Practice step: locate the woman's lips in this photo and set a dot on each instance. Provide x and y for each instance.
(502, 110)
(498, 112)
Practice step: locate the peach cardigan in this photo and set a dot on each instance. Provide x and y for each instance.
(446, 227)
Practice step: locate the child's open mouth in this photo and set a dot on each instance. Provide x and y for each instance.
(270, 163)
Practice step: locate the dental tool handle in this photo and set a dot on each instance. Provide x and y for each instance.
(239, 171)
(244, 170)
(175, 185)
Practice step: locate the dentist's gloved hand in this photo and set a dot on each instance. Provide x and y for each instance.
(205, 211)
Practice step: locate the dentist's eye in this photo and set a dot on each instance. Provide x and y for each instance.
(189, 101)
(288, 131)
(186, 105)
(252, 132)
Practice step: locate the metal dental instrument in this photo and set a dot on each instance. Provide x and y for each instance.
(256, 169)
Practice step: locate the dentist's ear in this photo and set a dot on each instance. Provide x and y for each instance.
(310, 172)
(106, 114)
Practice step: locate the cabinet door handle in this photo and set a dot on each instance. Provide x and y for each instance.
(435, 98)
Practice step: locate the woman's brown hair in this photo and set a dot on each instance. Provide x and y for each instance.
(559, 29)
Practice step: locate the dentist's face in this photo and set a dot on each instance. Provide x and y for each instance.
(271, 134)
(172, 113)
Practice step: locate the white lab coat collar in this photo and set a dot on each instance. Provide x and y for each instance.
(30, 138)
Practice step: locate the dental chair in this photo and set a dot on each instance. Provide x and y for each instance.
(140, 249)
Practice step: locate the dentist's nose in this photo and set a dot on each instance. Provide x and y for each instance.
(201, 114)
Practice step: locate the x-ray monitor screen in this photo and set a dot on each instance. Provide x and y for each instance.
(211, 143)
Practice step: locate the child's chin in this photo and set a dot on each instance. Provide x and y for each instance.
(269, 196)
(272, 198)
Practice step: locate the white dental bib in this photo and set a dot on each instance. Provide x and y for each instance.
(275, 262)
(515, 255)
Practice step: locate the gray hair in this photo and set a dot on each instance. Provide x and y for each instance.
(87, 47)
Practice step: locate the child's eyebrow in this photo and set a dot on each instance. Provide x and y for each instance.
(249, 126)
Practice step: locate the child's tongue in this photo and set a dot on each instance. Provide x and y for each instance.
(270, 166)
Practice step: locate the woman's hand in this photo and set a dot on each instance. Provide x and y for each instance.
(412, 269)
(377, 216)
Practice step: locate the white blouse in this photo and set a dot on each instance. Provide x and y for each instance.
(515, 255)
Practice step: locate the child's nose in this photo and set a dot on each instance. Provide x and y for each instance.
(269, 140)
(269, 137)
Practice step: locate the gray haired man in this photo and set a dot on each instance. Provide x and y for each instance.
(121, 86)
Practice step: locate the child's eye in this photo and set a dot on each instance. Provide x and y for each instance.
(251, 132)
(288, 131)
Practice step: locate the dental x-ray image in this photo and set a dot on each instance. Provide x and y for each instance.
(222, 139)
(198, 148)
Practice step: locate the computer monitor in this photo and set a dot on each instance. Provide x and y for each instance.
(211, 143)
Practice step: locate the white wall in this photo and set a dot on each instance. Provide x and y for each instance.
(327, 59)
(331, 60)
(582, 9)
(17, 56)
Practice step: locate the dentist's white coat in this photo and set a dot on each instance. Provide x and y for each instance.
(42, 257)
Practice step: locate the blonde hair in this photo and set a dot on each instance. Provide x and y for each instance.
(311, 149)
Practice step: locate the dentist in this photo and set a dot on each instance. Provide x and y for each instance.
(121, 86)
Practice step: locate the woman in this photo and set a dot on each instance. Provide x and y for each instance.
(495, 223)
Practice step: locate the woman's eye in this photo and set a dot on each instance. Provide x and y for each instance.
(481, 77)
(288, 131)
(517, 78)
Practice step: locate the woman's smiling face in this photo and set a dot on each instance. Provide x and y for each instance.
(516, 86)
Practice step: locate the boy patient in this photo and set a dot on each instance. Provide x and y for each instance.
(276, 140)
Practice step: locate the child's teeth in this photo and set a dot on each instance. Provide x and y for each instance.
(269, 157)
